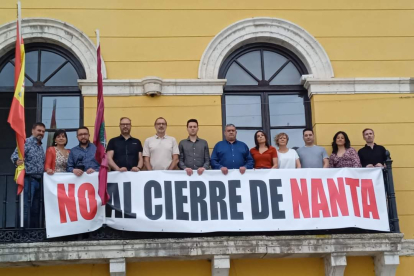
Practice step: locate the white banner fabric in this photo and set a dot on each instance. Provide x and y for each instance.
(259, 200)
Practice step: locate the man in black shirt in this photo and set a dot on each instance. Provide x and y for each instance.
(125, 152)
(372, 155)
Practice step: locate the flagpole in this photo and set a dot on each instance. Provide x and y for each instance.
(97, 38)
(19, 25)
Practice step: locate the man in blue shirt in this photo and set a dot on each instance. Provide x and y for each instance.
(231, 153)
(82, 157)
(34, 161)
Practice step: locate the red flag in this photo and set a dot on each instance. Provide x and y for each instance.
(99, 138)
(16, 114)
(52, 125)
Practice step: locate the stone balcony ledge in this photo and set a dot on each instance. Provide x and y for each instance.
(43, 253)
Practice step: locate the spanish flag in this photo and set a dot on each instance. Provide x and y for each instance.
(16, 115)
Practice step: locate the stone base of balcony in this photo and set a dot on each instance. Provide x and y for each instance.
(47, 253)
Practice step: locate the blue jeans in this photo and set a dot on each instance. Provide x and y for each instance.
(31, 201)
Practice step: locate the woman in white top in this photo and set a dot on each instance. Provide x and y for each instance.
(287, 158)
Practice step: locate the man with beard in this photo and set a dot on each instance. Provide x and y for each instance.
(372, 155)
(231, 153)
(160, 151)
(125, 152)
(34, 159)
(194, 154)
(82, 157)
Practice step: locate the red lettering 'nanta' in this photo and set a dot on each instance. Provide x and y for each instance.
(353, 184)
(337, 197)
(300, 198)
(319, 202)
(368, 194)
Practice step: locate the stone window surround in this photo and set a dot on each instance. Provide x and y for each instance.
(55, 32)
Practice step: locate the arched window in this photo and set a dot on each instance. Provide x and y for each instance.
(264, 92)
(52, 95)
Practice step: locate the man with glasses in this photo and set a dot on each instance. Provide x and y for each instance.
(160, 151)
(125, 152)
(82, 157)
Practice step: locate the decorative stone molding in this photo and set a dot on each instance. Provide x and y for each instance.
(407, 248)
(335, 264)
(220, 265)
(117, 267)
(359, 85)
(386, 264)
(270, 30)
(24, 254)
(154, 86)
(56, 32)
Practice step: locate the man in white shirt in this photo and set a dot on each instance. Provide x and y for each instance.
(160, 151)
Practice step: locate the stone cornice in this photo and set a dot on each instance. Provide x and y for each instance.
(200, 248)
(154, 86)
(358, 85)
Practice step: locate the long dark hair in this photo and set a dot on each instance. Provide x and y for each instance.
(57, 133)
(257, 143)
(347, 141)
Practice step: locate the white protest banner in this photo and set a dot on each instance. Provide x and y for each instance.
(259, 200)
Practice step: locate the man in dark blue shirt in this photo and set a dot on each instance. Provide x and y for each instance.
(231, 153)
(82, 157)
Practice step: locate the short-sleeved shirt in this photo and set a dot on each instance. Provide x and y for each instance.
(287, 160)
(160, 150)
(263, 160)
(312, 157)
(372, 156)
(126, 151)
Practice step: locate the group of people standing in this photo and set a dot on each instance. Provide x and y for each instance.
(161, 152)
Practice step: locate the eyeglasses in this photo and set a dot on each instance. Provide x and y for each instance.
(124, 125)
(161, 124)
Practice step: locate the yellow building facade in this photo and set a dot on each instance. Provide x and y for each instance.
(359, 60)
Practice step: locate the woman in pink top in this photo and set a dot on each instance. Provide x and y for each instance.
(343, 155)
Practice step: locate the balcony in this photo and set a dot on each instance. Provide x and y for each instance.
(30, 246)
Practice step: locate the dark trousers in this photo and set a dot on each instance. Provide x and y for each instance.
(31, 201)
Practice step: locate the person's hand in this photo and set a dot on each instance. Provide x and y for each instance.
(134, 169)
(189, 171)
(200, 170)
(90, 170)
(370, 166)
(242, 170)
(123, 169)
(19, 162)
(49, 172)
(77, 172)
(224, 170)
(379, 165)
